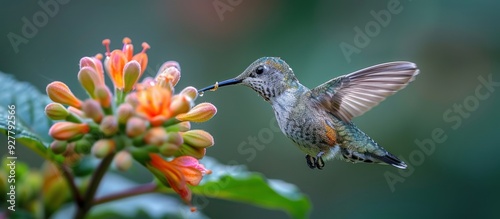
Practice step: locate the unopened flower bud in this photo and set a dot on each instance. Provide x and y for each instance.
(93, 110)
(131, 99)
(68, 130)
(56, 111)
(60, 93)
(109, 125)
(58, 147)
(200, 113)
(124, 112)
(179, 127)
(169, 149)
(190, 92)
(89, 79)
(103, 147)
(156, 136)
(96, 64)
(83, 146)
(131, 73)
(123, 160)
(187, 150)
(147, 82)
(103, 96)
(169, 64)
(76, 112)
(180, 104)
(175, 138)
(198, 138)
(135, 127)
(168, 77)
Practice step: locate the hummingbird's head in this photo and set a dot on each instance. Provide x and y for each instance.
(268, 76)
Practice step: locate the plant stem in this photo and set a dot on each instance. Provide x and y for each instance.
(72, 185)
(139, 190)
(92, 189)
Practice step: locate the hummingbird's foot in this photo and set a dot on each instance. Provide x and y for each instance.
(319, 160)
(315, 162)
(311, 161)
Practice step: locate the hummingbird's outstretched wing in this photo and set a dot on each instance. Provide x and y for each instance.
(353, 94)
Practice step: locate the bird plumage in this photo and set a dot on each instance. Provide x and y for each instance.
(318, 121)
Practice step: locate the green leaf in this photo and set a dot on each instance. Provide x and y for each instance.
(30, 126)
(17, 133)
(29, 102)
(237, 184)
(141, 206)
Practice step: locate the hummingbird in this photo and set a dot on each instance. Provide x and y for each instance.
(319, 120)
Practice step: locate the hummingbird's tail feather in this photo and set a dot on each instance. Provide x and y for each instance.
(392, 160)
(367, 157)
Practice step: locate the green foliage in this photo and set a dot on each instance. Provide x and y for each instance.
(143, 206)
(237, 184)
(30, 125)
(30, 105)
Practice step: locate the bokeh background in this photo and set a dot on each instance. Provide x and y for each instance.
(453, 42)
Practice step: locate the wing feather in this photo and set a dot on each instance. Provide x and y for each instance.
(354, 94)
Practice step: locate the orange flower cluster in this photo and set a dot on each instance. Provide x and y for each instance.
(155, 121)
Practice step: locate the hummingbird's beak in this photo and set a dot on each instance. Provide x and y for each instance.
(220, 84)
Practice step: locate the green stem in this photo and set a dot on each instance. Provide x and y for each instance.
(120, 96)
(139, 190)
(72, 186)
(92, 189)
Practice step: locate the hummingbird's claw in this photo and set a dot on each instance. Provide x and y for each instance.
(320, 163)
(311, 161)
(315, 162)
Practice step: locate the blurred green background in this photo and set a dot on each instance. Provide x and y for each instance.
(453, 43)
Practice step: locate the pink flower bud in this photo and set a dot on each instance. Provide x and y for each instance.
(175, 138)
(103, 96)
(190, 92)
(179, 127)
(131, 74)
(124, 112)
(131, 99)
(109, 125)
(103, 148)
(200, 113)
(56, 111)
(93, 110)
(135, 127)
(68, 130)
(168, 149)
(168, 77)
(123, 160)
(156, 136)
(89, 79)
(187, 150)
(58, 147)
(198, 138)
(60, 93)
(96, 64)
(180, 104)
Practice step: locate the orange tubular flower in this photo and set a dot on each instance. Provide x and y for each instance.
(179, 172)
(117, 59)
(154, 104)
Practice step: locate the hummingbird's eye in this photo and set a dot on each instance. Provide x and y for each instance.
(259, 70)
